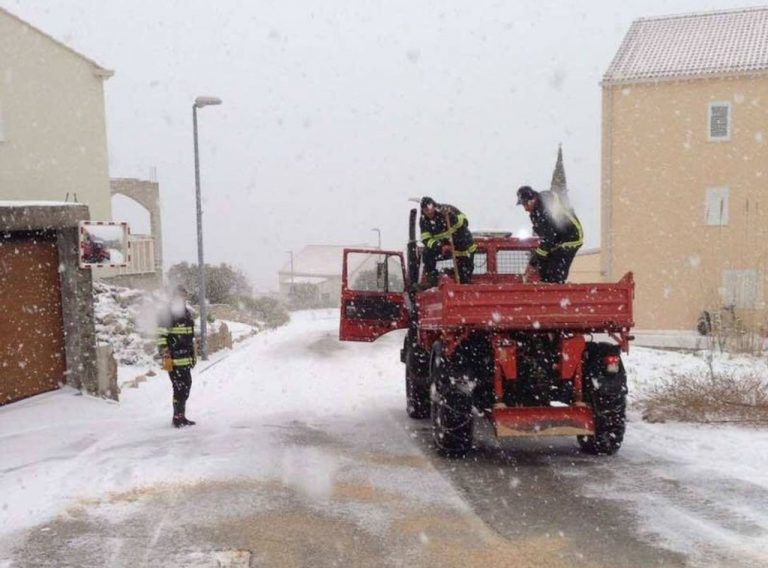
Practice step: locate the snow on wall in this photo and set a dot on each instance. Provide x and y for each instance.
(126, 320)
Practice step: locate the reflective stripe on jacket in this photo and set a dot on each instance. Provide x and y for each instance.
(555, 224)
(435, 231)
(176, 334)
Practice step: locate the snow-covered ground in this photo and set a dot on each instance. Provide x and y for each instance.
(707, 487)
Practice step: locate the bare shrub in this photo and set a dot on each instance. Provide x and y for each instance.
(744, 341)
(709, 399)
(730, 332)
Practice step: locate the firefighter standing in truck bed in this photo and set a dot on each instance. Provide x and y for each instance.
(176, 341)
(440, 225)
(559, 231)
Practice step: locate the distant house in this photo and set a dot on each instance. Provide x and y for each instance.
(685, 164)
(317, 269)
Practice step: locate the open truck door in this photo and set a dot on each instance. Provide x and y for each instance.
(373, 294)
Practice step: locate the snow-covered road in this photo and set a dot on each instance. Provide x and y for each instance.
(303, 455)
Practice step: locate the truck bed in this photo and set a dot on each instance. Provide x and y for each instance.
(593, 307)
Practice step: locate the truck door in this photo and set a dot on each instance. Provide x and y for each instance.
(373, 294)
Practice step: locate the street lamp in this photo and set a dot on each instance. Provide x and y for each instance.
(378, 232)
(201, 102)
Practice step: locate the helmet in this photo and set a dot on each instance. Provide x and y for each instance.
(526, 193)
(427, 202)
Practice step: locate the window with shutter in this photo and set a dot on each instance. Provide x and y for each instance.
(716, 206)
(719, 121)
(741, 288)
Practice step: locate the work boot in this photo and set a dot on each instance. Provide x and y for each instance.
(187, 422)
(178, 421)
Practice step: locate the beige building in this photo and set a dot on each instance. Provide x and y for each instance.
(586, 267)
(685, 166)
(53, 140)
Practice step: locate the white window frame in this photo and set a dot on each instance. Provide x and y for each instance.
(712, 195)
(729, 123)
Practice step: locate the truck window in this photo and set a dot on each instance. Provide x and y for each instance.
(372, 272)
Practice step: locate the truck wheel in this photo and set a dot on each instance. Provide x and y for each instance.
(608, 394)
(416, 384)
(451, 409)
(416, 361)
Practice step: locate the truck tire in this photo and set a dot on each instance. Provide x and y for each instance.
(416, 383)
(608, 395)
(450, 408)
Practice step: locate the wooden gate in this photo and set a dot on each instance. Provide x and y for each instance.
(32, 358)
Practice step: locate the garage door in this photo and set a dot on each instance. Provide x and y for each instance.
(31, 326)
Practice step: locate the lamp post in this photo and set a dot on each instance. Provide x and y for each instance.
(378, 232)
(201, 102)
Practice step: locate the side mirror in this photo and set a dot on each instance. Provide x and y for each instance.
(103, 244)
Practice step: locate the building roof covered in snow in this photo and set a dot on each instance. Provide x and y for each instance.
(693, 45)
(319, 260)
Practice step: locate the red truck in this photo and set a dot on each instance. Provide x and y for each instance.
(523, 355)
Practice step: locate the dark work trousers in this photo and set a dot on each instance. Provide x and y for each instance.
(466, 265)
(430, 256)
(181, 379)
(557, 265)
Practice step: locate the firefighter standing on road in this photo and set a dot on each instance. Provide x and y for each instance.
(560, 231)
(176, 341)
(440, 225)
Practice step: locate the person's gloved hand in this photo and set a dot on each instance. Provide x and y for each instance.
(446, 250)
(531, 274)
(166, 361)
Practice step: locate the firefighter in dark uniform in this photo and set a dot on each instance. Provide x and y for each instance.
(176, 341)
(440, 224)
(559, 231)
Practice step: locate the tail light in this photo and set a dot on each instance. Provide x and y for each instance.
(612, 363)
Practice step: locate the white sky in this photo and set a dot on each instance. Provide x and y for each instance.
(335, 113)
